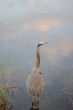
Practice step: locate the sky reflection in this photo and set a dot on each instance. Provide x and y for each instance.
(22, 25)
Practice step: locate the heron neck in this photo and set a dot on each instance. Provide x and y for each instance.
(37, 58)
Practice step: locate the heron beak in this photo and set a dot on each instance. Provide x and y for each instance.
(45, 43)
(41, 44)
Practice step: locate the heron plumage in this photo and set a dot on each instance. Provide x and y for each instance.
(35, 80)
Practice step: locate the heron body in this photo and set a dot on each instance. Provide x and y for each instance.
(35, 80)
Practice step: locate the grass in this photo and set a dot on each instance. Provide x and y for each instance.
(4, 100)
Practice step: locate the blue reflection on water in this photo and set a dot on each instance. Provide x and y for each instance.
(17, 55)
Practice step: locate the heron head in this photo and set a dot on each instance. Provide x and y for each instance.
(41, 43)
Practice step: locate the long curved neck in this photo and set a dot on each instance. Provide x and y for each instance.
(37, 65)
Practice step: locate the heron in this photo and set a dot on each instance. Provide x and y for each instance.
(35, 80)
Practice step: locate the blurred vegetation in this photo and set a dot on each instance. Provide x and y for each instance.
(3, 100)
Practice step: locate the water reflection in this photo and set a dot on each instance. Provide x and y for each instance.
(34, 109)
(17, 60)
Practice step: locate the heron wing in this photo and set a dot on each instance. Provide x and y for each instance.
(35, 84)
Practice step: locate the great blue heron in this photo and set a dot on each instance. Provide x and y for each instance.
(35, 80)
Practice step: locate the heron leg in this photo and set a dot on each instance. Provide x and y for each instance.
(37, 103)
(34, 103)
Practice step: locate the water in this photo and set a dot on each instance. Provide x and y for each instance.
(17, 57)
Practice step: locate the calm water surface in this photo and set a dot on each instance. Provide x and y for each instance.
(17, 57)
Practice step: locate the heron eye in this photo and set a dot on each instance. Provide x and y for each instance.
(40, 72)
